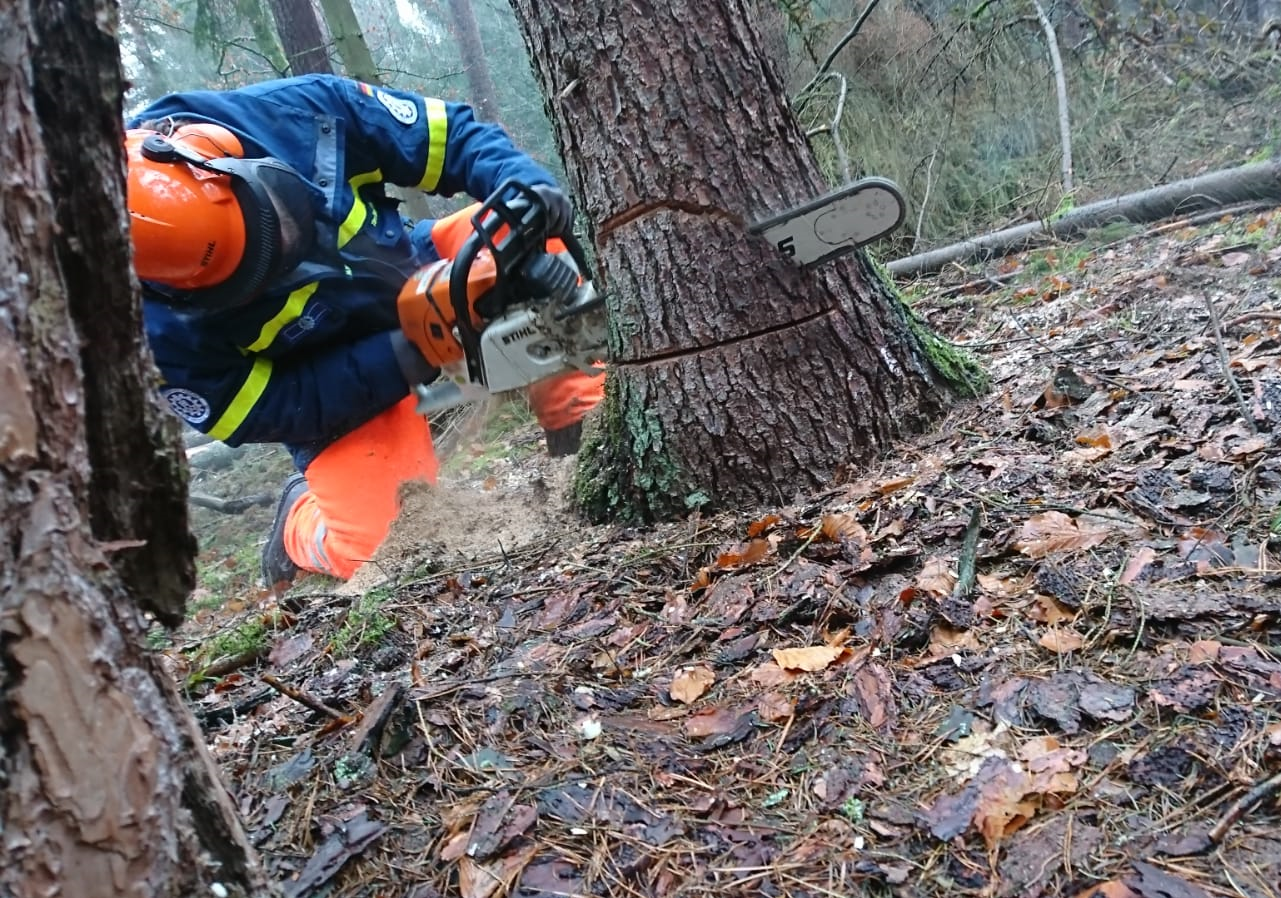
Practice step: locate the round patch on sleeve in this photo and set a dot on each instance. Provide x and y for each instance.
(403, 111)
(191, 407)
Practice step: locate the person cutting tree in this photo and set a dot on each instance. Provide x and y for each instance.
(287, 301)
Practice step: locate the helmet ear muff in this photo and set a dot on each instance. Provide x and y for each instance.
(263, 250)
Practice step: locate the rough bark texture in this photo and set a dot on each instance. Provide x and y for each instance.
(300, 35)
(739, 378)
(105, 785)
(472, 49)
(135, 494)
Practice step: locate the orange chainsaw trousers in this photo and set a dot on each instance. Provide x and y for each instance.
(353, 485)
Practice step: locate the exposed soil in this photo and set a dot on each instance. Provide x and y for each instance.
(1035, 653)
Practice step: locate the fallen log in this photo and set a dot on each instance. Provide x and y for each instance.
(1258, 183)
(229, 506)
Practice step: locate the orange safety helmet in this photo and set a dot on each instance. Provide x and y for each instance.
(205, 219)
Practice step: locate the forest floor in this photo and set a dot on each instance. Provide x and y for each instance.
(1036, 652)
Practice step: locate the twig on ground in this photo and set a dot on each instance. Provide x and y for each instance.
(231, 663)
(1251, 316)
(367, 739)
(302, 698)
(229, 506)
(1258, 792)
(1224, 363)
(818, 528)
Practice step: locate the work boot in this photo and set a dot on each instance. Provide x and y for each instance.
(564, 441)
(277, 566)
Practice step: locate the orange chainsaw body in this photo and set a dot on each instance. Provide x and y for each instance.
(427, 316)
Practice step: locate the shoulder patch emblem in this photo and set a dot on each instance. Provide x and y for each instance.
(191, 407)
(403, 111)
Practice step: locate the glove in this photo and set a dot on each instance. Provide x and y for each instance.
(417, 370)
(560, 211)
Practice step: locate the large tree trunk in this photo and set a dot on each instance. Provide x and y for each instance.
(300, 35)
(738, 377)
(472, 49)
(105, 785)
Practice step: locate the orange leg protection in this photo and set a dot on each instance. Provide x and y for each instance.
(562, 401)
(353, 491)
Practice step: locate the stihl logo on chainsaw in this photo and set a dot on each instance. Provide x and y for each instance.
(523, 334)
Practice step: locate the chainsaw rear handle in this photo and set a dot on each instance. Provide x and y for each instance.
(525, 217)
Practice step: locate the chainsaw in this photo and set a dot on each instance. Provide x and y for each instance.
(516, 304)
(512, 308)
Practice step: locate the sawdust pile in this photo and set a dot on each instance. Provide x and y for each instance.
(460, 521)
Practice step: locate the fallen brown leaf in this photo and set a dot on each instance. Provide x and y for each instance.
(1111, 889)
(756, 528)
(770, 675)
(1138, 562)
(690, 683)
(810, 658)
(476, 880)
(936, 577)
(711, 722)
(1052, 532)
(1061, 641)
(1049, 610)
(774, 707)
(750, 553)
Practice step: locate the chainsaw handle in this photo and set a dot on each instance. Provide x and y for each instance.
(525, 218)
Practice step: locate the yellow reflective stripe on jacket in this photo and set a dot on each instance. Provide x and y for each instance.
(288, 315)
(437, 136)
(355, 219)
(246, 398)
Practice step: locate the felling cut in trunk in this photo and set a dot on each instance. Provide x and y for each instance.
(738, 376)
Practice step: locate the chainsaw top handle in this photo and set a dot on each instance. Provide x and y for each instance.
(518, 208)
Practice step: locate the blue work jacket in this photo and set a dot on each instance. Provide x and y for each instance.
(311, 358)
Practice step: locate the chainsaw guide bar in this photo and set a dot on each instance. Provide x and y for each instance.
(837, 223)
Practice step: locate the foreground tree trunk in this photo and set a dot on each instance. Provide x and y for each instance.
(739, 378)
(105, 785)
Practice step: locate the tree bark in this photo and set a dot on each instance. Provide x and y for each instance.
(1259, 182)
(350, 40)
(105, 785)
(300, 35)
(738, 377)
(472, 49)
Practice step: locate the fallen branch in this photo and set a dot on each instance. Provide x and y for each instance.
(305, 699)
(1260, 791)
(1216, 190)
(1251, 316)
(229, 506)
